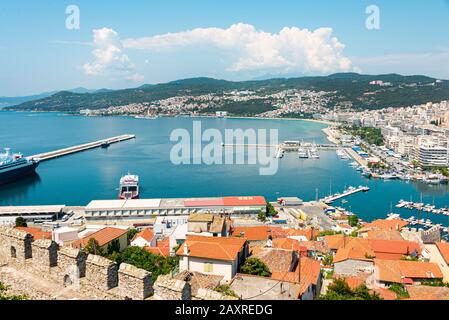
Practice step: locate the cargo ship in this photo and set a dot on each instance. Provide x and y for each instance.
(129, 187)
(14, 166)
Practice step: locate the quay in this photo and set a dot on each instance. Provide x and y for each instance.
(285, 146)
(83, 147)
(349, 192)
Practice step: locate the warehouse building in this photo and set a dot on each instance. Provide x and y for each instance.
(143, 209)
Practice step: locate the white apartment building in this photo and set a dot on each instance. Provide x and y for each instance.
(429, 154)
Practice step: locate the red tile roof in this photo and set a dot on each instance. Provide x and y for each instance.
(145, 234)
(36, 233)
(261, 233)
(367, 249)
(443, 247)
(103, 236)
(399, 271)
(308, 275)
(212, 248)
(395, 224)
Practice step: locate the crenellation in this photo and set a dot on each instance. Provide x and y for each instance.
(134, 283)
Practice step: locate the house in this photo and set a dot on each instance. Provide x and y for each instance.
(213, 255)
(207, 224)
(162, 247)
(36, 233)
(382, 224)
(356, 254)
(353, 257)
(387, 272)
(145, 238)
(293, 266)
(105, 237)
(315, 249)
(307, 274)
(439, 253)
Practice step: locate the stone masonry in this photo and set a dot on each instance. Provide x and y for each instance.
(134, 283)
(15, 245)
(101, 273)
(167, 288)
(45, 254)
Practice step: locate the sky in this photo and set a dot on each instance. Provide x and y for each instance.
(122, 44)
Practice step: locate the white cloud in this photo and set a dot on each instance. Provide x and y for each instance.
(109, 58)
(290, 50)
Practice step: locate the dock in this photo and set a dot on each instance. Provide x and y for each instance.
(83, 147)
(345, 194)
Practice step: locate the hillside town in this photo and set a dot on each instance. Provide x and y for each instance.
(217, 249)
(279, 104)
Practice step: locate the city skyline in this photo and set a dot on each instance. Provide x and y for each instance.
(154, 43)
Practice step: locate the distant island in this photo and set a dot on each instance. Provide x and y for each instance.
(294, 97)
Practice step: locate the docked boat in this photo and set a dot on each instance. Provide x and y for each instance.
(302, 153)
(313, 152)
(433, 179)
(105, 144)
(129, 187)
(14, 166)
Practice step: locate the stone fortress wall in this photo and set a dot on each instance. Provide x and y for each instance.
(42, 270)
(91, 276)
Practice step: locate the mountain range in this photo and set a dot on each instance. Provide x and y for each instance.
(348, 87)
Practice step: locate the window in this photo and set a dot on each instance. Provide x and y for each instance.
(208, 267)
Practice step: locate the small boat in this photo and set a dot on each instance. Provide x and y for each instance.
(105, 144)
(302, 153)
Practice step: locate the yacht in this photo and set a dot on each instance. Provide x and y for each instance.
(302, 153)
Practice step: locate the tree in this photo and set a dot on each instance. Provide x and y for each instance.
(328, 259)
(226, 289)
(271, 211)
(21, 222)
(262, 216)
(256, 267)
(143, 259)
(5, 296)
(93, 247)
(131, 233)
(340, 290)
(353, 221)
(400, 290)
(114, 246)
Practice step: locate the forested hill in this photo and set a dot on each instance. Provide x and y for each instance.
(351, 87)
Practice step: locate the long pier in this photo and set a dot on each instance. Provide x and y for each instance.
(83, 147)
(283, 146)
(347, 193)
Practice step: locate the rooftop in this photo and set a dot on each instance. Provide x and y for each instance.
(213, 248)
(36, 233)
(103, 236)
(398, 271)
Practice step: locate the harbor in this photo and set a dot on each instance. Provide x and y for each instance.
(83, 147)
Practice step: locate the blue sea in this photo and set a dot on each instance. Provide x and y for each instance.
(79, 178)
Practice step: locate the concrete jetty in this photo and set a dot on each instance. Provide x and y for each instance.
(83, 147)
(347, 193)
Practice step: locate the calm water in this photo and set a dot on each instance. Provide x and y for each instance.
(94, 174)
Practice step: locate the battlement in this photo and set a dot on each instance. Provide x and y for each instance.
(66, 267)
